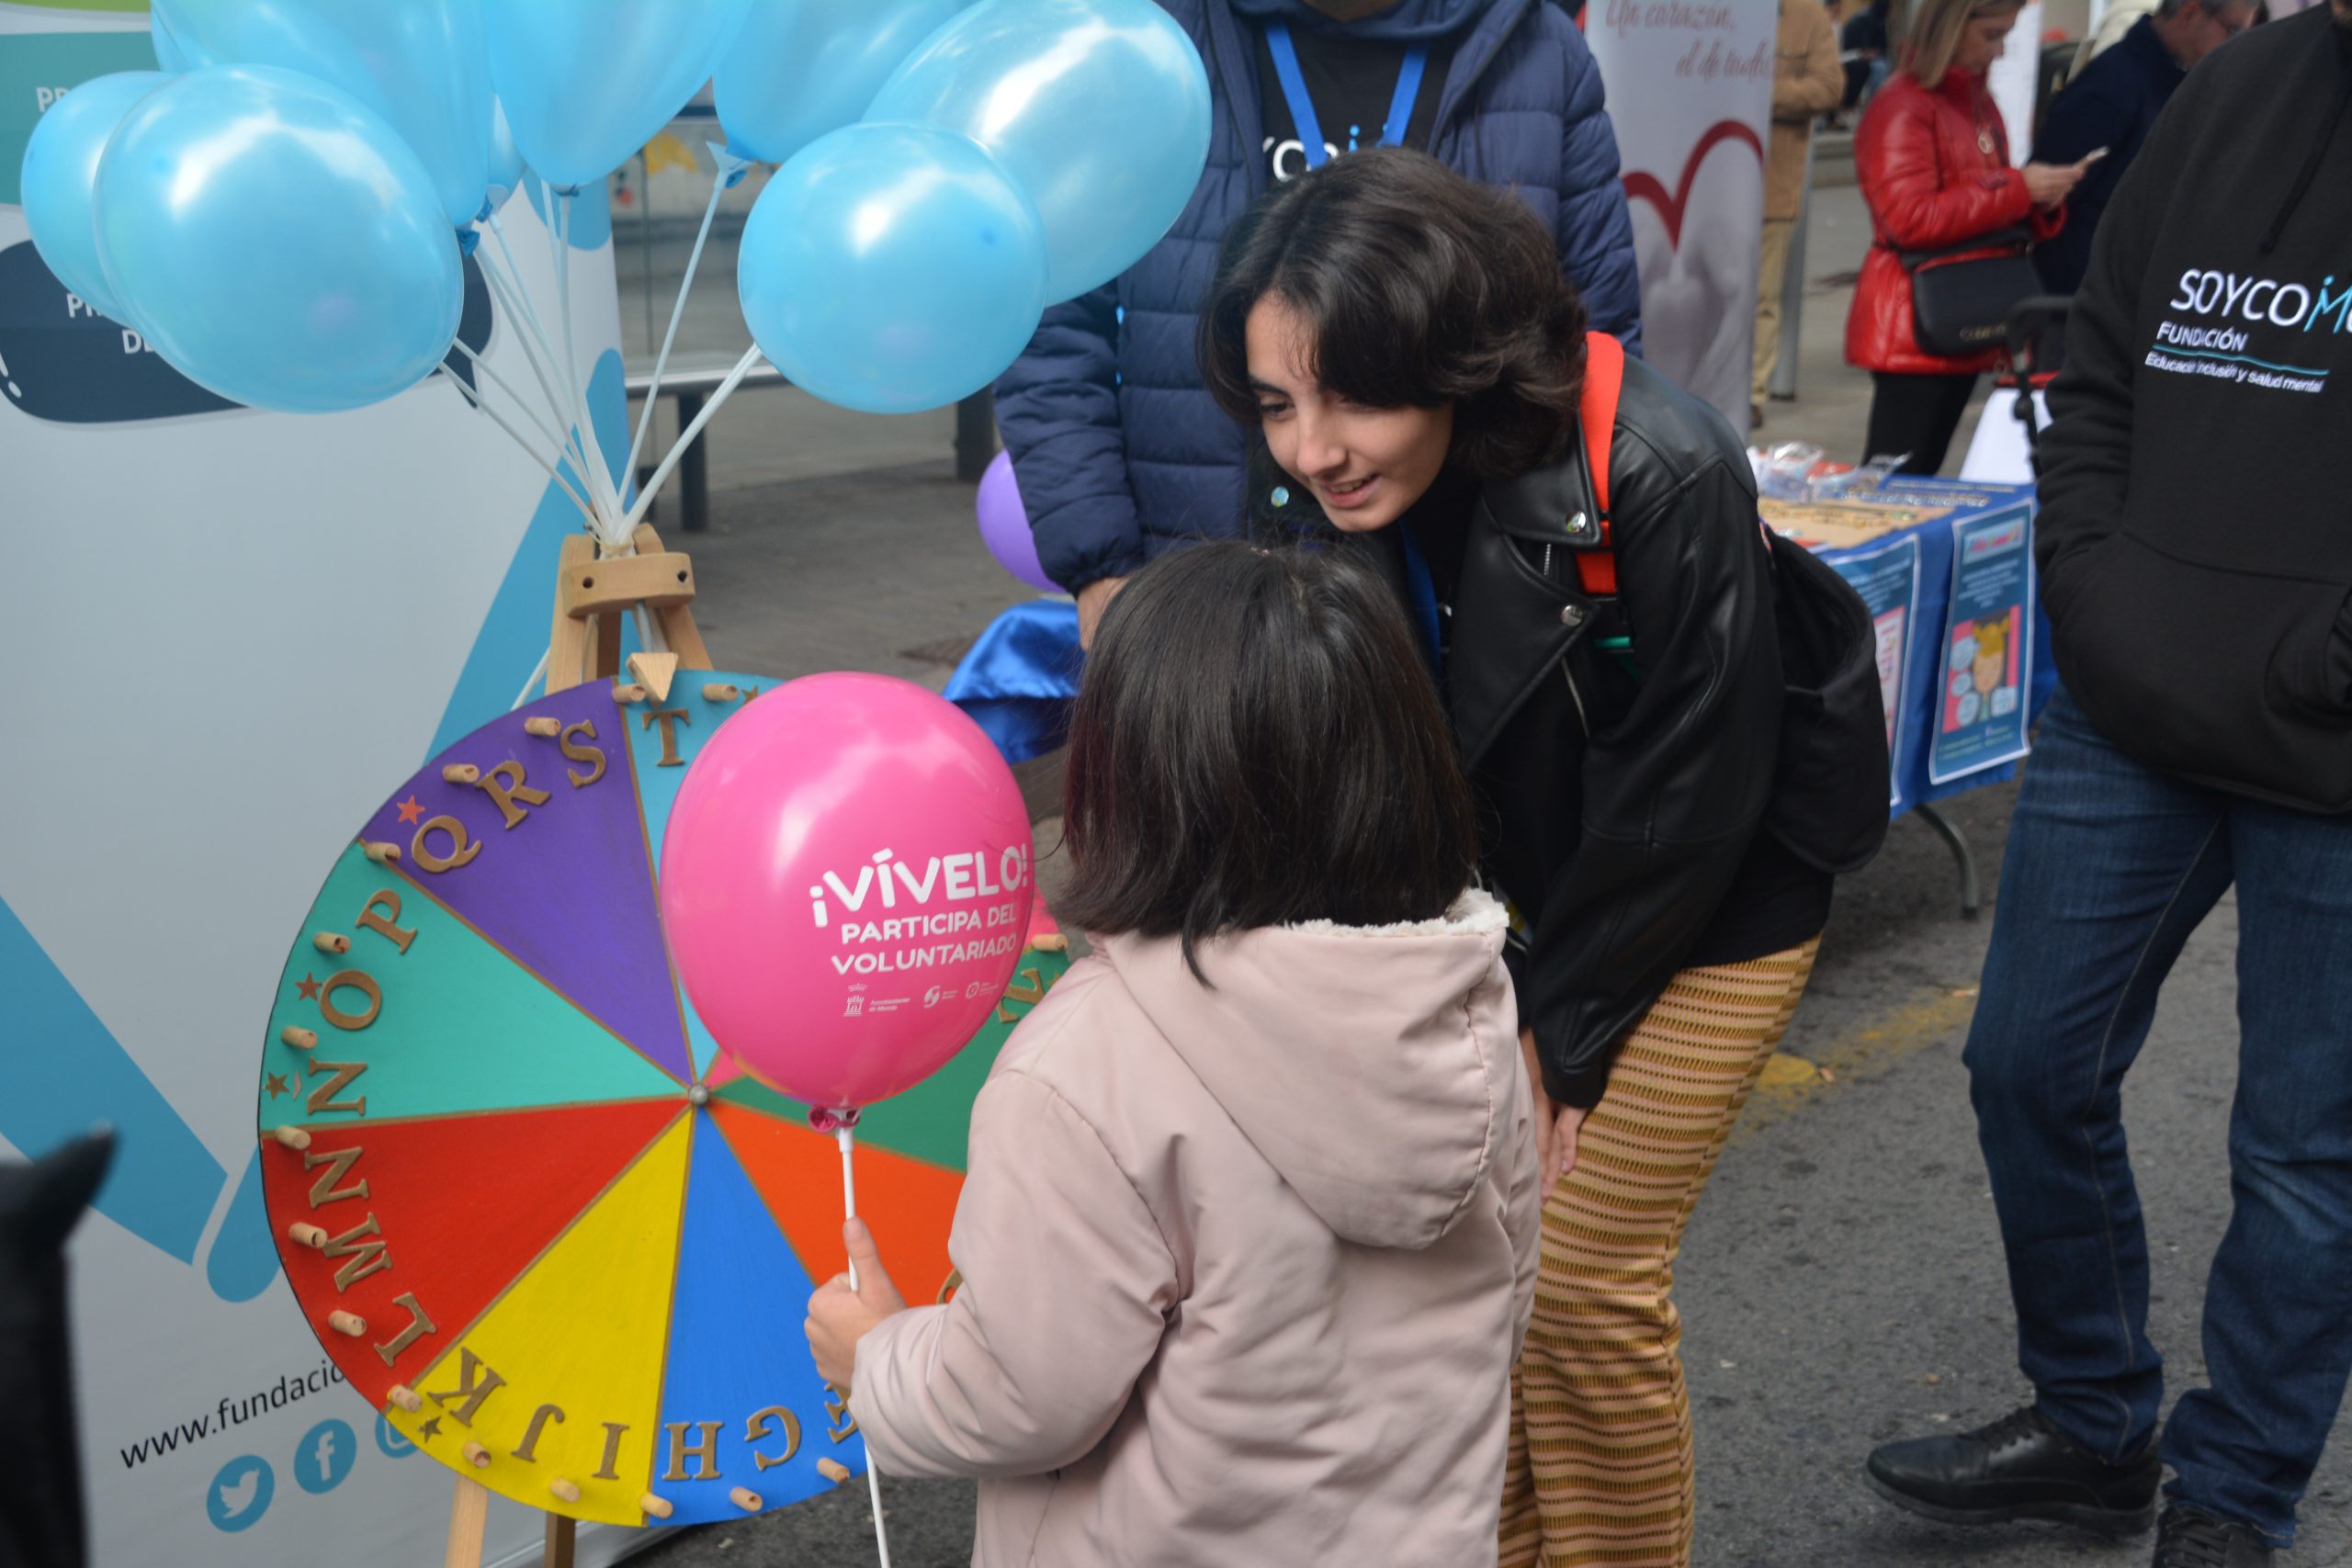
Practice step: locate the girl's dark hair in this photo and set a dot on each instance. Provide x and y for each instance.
(1258, 742)
(1423, 288)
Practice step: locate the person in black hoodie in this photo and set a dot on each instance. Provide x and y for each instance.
(2196, 555)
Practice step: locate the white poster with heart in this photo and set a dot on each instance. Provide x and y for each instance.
(1690, 86)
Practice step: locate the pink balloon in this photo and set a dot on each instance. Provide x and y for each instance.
(845, 885)
(1004, 525)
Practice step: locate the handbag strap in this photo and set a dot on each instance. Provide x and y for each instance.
(1604, 380)
(2018, 238)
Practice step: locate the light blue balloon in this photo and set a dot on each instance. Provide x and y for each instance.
(280, 242)
(173, 52)
(61, 170)
(422, 64)
(889, 268)
(1099, 109)
(588, 225)
(586, 83)
(505, 160)
(800, 68)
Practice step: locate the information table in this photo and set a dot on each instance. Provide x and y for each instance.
(1947, 571)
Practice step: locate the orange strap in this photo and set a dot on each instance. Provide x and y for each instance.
(1604, 379)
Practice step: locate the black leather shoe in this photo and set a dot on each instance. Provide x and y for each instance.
(2190, 1538)
(2020, 1467)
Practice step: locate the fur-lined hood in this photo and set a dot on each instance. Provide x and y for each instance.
(1365, 1064)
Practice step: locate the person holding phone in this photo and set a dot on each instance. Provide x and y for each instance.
(1933, 159)
(2111, 107)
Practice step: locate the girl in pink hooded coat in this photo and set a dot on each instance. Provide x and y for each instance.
(1248, 1240)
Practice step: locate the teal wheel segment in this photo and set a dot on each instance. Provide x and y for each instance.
(421, 1016)
(665, 737)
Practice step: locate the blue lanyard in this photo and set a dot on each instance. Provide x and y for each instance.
(1421, 585)
(1302, 108)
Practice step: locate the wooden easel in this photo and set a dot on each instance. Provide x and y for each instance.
(592, 591)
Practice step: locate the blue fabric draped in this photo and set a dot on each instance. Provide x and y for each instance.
(1019, 680)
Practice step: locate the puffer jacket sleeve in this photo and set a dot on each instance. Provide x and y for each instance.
(1594, 230)
(1058, 407)
(1673, 791)
(1902, 179)
(1067, 1284)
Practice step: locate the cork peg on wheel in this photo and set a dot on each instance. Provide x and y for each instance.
(544, 725)
(721, 692)
(405, 1398)
(745, 1498)
(384, 854)
(348, 1322)
(462, 773)
(476, 1455)
(331, 942)
(299, 1039)
(629, 694)
(313, 1236)
(832, 1470)
(564, 1491)
(293, 1138)
(655, 1505)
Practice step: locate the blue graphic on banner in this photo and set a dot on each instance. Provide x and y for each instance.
(1986, 648)
(325, 1456)
(1887, 578)
(240, 1494)
(63, 362)
(391, 1440)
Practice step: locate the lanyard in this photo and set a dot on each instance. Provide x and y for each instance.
(1302, 108)
(1421, 585)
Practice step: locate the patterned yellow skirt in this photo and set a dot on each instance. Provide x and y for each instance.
(1600, 1468)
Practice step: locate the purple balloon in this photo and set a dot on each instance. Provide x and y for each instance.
(1004, 525)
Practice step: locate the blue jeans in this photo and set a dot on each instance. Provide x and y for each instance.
(2110, 866)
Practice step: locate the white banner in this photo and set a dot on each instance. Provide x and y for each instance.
(2015, 82)
(234, 633)
(1689, 85)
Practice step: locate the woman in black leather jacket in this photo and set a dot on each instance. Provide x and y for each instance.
(1403, 338)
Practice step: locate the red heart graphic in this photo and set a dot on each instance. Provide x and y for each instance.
(1642, 185)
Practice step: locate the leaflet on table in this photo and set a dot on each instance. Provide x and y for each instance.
(1887, 578)
(1987, 645)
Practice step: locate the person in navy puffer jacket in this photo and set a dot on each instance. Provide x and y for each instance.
(1118, 450)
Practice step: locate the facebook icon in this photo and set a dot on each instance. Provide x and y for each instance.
(325, 1456)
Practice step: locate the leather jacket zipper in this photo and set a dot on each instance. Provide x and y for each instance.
(1577, 697)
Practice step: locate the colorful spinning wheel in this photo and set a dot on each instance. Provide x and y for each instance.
(531, 1210)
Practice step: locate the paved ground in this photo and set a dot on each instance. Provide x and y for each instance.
(1842, 1281)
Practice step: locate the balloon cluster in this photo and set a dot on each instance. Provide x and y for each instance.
(282, 211)
(1021, 153)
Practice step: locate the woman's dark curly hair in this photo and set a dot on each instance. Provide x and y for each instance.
(1423, 288)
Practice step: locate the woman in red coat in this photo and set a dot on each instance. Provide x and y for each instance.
(1934, 165)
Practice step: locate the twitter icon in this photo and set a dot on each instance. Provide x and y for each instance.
(240, 1494)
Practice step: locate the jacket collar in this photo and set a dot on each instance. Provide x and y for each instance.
(1539, 506)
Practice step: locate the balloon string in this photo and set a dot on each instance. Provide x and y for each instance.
(846, 1135)
(524, 441)
(597, 476)
(518, 305)
(538, 671)
(677, 312)
(482, 368)
(521, 309)
(719, 397)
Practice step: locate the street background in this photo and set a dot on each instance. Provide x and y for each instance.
(1841, 1283)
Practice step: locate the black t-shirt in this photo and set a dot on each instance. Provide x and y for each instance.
(1351, 80)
